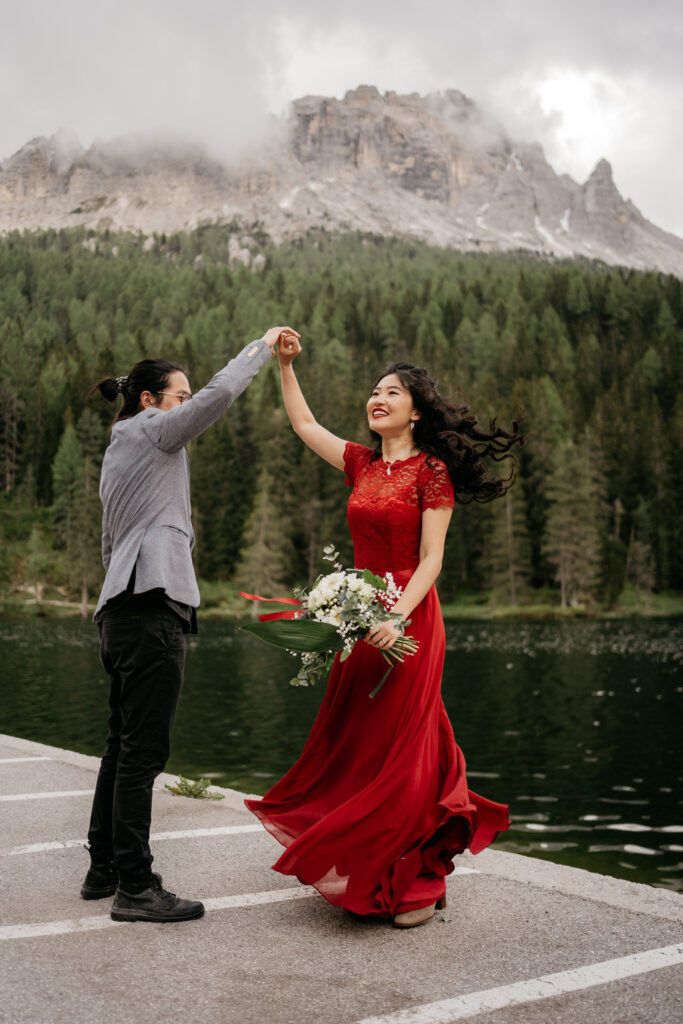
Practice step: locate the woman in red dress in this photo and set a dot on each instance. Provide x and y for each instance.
(377, 805)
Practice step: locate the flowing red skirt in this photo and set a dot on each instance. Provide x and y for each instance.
(377, 805)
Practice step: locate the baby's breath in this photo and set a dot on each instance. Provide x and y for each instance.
(354, 604)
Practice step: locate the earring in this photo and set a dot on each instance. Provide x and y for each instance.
(412, 424)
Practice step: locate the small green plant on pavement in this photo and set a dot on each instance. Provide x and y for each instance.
(199, 790)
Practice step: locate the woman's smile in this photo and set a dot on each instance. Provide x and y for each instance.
(390, 399)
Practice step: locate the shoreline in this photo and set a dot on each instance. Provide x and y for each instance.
(255, 788)
(453, 612)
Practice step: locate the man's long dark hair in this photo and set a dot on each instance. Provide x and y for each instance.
(451, 433)
(147, 375)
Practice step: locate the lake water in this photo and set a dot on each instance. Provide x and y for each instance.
(575, 724)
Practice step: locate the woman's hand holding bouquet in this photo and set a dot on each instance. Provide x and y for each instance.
(340, 609)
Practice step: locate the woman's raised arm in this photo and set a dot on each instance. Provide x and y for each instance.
(325, 444)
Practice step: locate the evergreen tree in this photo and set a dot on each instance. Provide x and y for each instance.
(76, 507)
(613, 568)
(87, 546)
(549, 426)
(67, 474)
(40, 562)
(572, 541)
(223, 478)
(14, 375)
(639, 560)
(508, 551)
(265, 563)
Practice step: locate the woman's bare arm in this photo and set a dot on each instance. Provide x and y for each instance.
(324, 443)
(434, 528)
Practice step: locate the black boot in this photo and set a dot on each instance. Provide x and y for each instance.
(153, 904)
(100, 881)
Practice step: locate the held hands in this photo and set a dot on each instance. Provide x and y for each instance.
(383, 637)
(280, 334)
(288, 347)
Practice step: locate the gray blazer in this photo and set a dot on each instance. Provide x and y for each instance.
(145, 487)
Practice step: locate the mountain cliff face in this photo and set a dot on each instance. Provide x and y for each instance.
(433, 168)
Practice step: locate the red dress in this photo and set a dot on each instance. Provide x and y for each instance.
(377, 805)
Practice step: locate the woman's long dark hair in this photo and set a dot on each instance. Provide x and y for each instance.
(450, 433)
(147, 375)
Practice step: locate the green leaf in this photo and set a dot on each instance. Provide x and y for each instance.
(302, 635)
(375, 581)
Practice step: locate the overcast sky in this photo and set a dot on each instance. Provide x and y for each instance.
(586, 78)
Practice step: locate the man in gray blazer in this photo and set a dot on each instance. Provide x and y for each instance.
(146, 607)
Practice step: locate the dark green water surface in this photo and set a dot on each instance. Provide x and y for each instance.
(575, 724)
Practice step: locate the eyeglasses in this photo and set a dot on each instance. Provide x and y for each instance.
(182, 397)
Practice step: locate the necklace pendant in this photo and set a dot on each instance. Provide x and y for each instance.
(388, 470)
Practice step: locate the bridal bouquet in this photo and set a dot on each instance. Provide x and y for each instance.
(332, 616)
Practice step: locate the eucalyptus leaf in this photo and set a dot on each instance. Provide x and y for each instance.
(374, 581)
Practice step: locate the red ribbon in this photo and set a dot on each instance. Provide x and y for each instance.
(280, 615)
(281, 600)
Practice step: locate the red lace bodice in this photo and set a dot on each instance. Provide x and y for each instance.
(385, 509)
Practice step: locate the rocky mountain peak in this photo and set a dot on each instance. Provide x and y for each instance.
(434, 167)
(599, 207)
(602, 171)
(600, 189)
(363, 95)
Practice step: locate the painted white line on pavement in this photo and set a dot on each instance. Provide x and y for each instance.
(91, 924)
(204, 833)
(255, 899)
(545, 987)
(48, 796)
(33, 931)
(66, 844)
(193, 833)
(16, 760)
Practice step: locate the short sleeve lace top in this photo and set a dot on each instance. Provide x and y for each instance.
(386, 505)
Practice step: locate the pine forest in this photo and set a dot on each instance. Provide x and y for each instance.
(592, 356)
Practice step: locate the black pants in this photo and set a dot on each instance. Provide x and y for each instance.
(142, 647)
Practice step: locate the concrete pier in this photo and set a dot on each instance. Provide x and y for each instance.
(523, 941)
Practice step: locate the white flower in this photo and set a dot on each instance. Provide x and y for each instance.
(332, 617)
